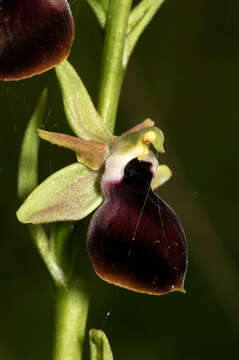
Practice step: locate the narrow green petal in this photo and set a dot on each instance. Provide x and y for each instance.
(162, 175)
(79, 109)
(158, 144)
(70, 194)
(89, 153)
(99, 346)
(28, 163)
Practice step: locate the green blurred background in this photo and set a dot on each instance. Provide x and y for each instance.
(184, 74)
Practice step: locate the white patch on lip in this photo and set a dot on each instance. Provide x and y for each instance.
(115, 164)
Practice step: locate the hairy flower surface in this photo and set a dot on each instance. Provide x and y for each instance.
(135, 240)
(35, 35)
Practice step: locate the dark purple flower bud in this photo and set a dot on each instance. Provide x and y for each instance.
(135, 239)
(35, 35)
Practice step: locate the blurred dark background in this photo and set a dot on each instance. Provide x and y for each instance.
(184, 74)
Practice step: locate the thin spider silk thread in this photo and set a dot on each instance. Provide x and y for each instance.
(117, 290)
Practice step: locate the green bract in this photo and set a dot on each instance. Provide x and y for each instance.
(99, 346)
(28, 163)
(80, 111)
(74, 191)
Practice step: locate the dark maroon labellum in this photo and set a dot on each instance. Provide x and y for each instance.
(35, 35)
(135, 239)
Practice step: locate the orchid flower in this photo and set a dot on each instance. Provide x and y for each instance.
(35, 36)
(135, 240)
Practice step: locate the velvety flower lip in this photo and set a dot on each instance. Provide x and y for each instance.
(135, 239)
(34, 36)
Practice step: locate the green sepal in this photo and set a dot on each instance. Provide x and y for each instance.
(99, 346)
(69, 194)
(100, 8)
(163, 174)
(28, 163)
(79, 109)
(89, 153)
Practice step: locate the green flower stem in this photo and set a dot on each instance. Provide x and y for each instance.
(72, 304)
(113, 68)
(71, 317)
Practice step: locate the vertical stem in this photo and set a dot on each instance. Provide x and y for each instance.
(71, 316)
(72, 304)
(112, 64)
